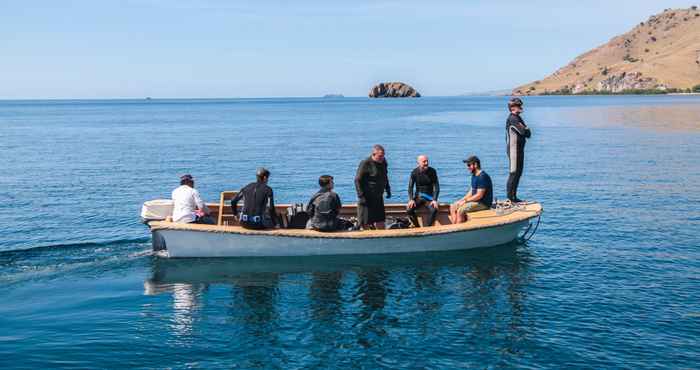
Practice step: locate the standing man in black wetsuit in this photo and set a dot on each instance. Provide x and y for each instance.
(517, 133)
(427, 187)
(258, 203)
(370, 182)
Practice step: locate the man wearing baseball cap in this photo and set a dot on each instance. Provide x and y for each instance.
(479, 198)
(188, 206)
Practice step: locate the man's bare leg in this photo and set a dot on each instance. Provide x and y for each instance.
(461, 217)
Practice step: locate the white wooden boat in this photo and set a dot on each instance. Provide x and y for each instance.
(227, 239)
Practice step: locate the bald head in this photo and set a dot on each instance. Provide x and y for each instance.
(422, 161)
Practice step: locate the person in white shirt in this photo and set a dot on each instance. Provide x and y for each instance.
(188, 206)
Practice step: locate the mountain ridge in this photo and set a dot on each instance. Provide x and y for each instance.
(660, 54)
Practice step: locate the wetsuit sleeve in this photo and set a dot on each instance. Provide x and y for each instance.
(311, 208)
(273, 212)
(411, 183)
(336, 205)
(519, 127)
(436, 185)
(234, 201)
(358, 181)
(386, 174)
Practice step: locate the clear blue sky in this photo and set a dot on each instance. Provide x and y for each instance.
(219, 48)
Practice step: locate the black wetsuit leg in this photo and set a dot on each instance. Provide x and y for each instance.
(253, 226)
(432, 215)
(372, 211)
(517, 163)
(411, 212)
(205, 220)
(432, 212)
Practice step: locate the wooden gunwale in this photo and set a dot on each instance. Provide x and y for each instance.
(478, 220)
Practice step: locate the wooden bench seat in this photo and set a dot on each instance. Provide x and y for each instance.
(392, 210)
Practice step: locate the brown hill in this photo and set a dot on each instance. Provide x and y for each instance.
(660, 54)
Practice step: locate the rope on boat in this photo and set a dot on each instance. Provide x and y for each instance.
(506, 208)
(524, 238)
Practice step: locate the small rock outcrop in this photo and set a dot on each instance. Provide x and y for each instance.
(629, 81)
(393, 90)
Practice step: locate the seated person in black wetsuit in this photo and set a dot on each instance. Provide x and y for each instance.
(324, 207)
(427, 187)
(258, 203)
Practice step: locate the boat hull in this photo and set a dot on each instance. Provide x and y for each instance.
(196, 243)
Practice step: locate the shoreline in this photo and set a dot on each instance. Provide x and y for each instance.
(56, 100)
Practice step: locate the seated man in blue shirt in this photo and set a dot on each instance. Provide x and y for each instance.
(479, 198)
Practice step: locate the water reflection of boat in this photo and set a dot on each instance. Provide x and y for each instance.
(349, 300)
(255, 270)
(484, 229)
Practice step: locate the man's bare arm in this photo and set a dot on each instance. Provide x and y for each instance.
(476, 197)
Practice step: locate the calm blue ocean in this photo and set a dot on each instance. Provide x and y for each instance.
(611, 280)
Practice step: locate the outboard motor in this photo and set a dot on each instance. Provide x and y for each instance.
(156, 210)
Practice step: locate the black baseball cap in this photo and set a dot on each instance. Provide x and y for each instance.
(262, 172)
(472, 159)
(515, 102)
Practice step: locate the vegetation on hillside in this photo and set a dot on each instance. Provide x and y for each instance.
(568, 91)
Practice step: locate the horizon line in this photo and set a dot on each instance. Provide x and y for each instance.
(245, 98)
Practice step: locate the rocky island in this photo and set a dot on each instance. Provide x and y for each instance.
(393, 90)
(660, 55)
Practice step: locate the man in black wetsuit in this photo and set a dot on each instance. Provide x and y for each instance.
(258, 203)
(371, 180)
(517, 133)
(427, 187)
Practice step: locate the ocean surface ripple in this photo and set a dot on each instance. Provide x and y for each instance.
(611, 280)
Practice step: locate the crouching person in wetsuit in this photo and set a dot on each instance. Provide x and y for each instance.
(425, 180)
(479, 198)
(517, 133)
(324, 207)
(258, 203)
